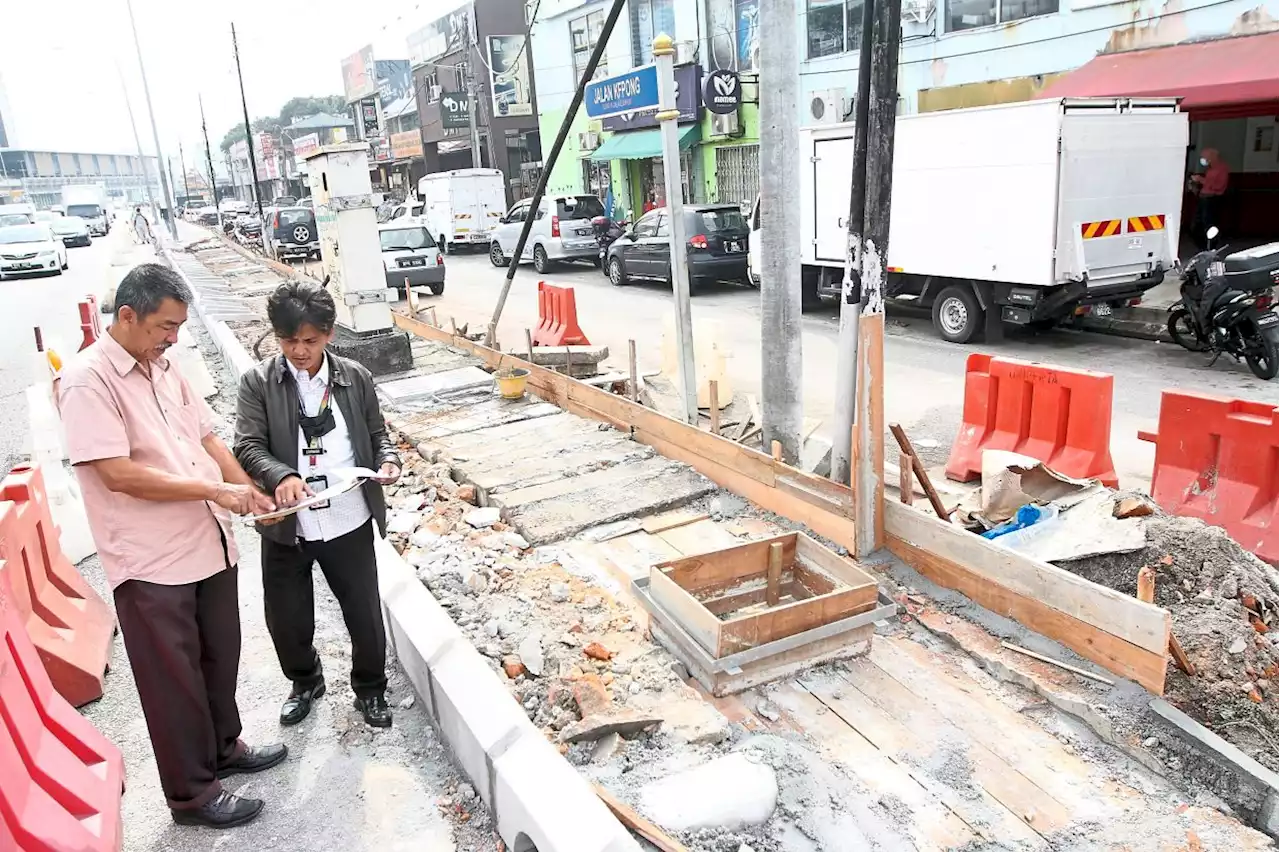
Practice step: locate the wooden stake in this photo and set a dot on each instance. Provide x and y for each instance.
(411, 298)
(868, 429)
(904, 444)
(906, 492)
(773, 591)
(1051, 661)
(715, 406)
(631, 367)
(776, 449)
(641, 826)
(434, 322)
(1147, 593)
(454, 325)
(528, 343)
(568, 362)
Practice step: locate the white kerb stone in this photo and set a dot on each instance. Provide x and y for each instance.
(730, 792)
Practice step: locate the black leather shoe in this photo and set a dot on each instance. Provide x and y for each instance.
(222, 811)
(298, 705)
(376, 712)
(255, 760)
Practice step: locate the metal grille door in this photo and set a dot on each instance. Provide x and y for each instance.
(738, 175)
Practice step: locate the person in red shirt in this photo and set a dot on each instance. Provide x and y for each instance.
(1209, 188)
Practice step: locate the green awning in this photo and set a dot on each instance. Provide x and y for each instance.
(641, 144)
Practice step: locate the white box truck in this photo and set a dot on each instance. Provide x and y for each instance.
(463, 206)
(89, 202)
(1026, 212)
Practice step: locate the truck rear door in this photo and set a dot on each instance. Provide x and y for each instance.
(832, 177)
(1120, 190)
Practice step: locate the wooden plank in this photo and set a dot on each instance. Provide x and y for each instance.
(812, 582)
(832, 564)
(868, 432)
(668, 520)
(686, 610)
(641, 826)
(787, 587)
(779, 622)
(1138, 623)
(714, 393)
(705, 573)
(1092, 643)
(906, 493)
(773, 577)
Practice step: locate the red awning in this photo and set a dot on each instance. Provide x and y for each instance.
(1207, 75)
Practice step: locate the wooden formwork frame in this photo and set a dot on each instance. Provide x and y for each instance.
(1122, 634)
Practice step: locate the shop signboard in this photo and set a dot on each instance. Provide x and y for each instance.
(359, 77)
(304, 145)
(406, 145)
(509, 75)
(455, 110)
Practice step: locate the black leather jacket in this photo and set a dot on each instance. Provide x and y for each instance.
(267, 430)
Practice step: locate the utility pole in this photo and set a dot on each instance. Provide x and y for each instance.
(182, 163)
(473, 105)
(566, 124)
(208, 154)
(155, 134)
(851, 289)
(780, 279)
(248, 131)
(882, 113)
(137, 142)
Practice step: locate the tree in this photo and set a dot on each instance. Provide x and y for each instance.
(294, 108)
(266, 124)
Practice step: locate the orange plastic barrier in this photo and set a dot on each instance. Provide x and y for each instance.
(68, 622)
(557, 318)
(1061, 417)
(1216, 459)
(60, 780)
(90, 321)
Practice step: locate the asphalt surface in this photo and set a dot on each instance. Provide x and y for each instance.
(924, 388)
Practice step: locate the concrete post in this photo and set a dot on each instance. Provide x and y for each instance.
(664, 51)
(780, 297)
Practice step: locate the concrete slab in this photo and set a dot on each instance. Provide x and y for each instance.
(529, 471)
(470, 416)
(463, 378)
(522, 436)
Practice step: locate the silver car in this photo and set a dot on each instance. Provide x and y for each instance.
(561, 231)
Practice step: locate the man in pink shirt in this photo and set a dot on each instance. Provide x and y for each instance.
(159, 488)
(1209, 188)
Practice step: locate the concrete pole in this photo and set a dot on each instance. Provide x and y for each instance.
(780, 382)
(851, 290)
(664, 52)
(868, 473)
(137, 141)
(155, 134)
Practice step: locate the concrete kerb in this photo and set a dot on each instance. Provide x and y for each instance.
(224, 339)
(538, 799)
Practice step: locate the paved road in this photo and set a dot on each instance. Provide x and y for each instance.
(51, 304)
(924, 375)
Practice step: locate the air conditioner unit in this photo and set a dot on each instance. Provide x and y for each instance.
(588, 140)
(436, 89)
(917, 11)
(686, 52)
(827, 106)
(726, 125)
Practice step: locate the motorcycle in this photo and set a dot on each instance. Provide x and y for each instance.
(606, 233)
(1226, 306)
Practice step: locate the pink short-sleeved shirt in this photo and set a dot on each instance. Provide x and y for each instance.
(112, 409)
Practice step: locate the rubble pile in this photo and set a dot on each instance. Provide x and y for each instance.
(1224, 604)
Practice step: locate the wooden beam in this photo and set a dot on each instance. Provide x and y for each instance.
(641, 826)
(917, 466)
(868, 429)
(714, 393)
(634, 387)
(906, 489)
(774, 577)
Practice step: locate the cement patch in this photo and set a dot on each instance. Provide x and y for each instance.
(462, 378)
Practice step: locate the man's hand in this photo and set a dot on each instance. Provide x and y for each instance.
(388, 473)
(290, 490)
(242, 499)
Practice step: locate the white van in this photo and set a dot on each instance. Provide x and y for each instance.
(463, 206)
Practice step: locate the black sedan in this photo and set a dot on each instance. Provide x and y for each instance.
(716, 246)
(72, 230)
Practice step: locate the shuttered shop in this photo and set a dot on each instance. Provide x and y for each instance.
(738, 174)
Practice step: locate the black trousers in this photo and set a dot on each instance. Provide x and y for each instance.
(351, 572)
(184, 649)
(1206, 216)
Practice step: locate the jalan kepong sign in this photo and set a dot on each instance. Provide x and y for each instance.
(635, 90)
(722, 91)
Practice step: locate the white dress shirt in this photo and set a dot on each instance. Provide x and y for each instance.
(348, 511)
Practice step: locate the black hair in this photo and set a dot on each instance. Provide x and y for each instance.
(147, 285)
(298, 303)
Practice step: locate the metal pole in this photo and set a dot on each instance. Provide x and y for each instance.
(868, 494)
(182, 163)
(473, 105)
(248, 131)
(664, 51)
(208, 154)
(155, 134)
(565, 126)
(851, 295)
(780, 281)
(137, 141)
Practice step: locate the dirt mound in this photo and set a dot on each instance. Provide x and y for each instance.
(1224, 605)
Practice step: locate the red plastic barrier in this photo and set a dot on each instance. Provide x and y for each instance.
(557, 318)
(1061, 417)
(1217, 460)
(68, 622)
(90, 322)
(60, 780)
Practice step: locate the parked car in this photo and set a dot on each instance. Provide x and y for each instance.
(292, 232)
(411, 209)
(30, 249)
(72, 230)
(207, 216)
(409, 252)
(716, 236)
(285, 201)
(561, 231)
(15, 217)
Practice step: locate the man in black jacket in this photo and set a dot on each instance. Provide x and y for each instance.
(302, 417)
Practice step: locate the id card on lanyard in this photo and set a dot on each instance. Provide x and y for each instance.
(313, 450)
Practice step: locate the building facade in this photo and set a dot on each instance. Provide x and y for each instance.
(37, 177)
(477, 59)
(619, 158)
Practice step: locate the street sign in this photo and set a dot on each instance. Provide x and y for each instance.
(688, 102)
(455, 110)
(635, 90)
(722, 92)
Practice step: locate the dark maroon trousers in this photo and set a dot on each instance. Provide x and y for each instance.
(184, 649)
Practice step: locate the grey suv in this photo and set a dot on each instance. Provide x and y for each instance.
(292, 232)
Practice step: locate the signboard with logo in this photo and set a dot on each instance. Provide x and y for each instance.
(304, 145)
(406, 145)
(455, 110)
(442, 36)
(359, 76)
(722, 91)
(394, 80)
(509, 75)
(688, 102)
(369, 117)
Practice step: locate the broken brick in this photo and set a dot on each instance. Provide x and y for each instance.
(466, 493)
(1132, 507)
(1250, 602)
(1258, 625)
(1255, 696)
(512, 666)
(596, 651)
(599, 716)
